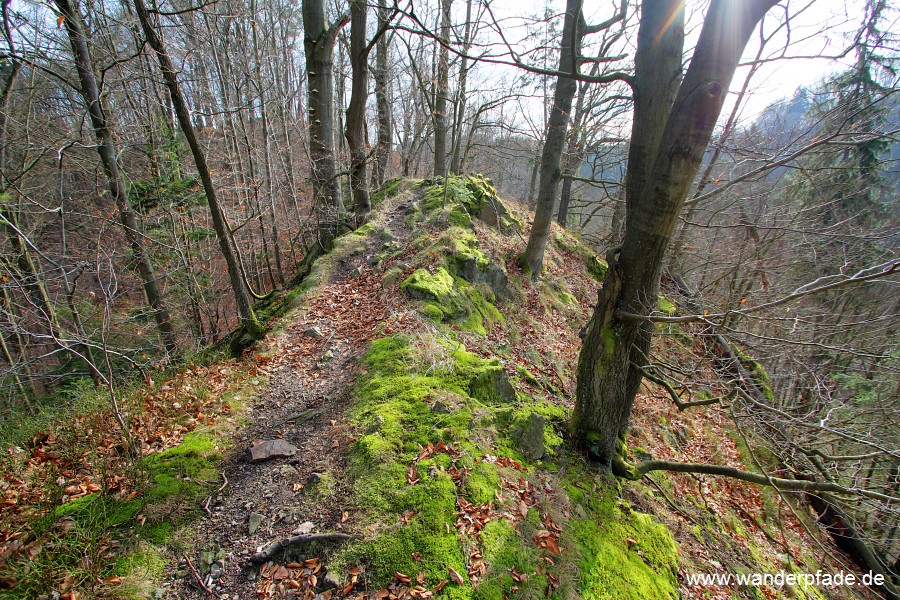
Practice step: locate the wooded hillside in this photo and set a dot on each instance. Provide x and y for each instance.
(183, 182)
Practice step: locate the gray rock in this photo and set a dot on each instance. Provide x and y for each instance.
(314, 478)
(314, 332)
(256, 520)
(492, 386)
(304, 528)
(357, 272)
(215, 572)
(272, 449)
(329, 354)
(377, 424)
(439, 408)
(529, 436)
(493, 275)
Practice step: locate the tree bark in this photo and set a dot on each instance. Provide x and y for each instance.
(251, 325)
(566, 86)
(460, 108)
(106, 148)
(356, 110)
(383, 99)
(667, 145)
(440, 94)
(318, 41)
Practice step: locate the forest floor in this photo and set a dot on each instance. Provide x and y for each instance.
(492, 522)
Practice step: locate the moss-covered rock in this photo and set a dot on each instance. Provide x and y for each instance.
(452, 299)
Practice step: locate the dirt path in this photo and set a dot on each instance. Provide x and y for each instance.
(313, 365)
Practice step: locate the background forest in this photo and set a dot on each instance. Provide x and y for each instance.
(165, 167)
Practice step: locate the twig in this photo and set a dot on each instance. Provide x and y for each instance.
(267, 552)
(222, 487)
(198, 578)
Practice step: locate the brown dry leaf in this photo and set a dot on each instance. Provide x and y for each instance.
(344, 516)
(280, 573)
(440, 586)
(412, 475)
(456, 577)
(402, 578)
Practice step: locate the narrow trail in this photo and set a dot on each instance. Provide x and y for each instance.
(312, 364)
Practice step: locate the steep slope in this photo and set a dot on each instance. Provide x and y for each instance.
(424, 384)
(449, 413)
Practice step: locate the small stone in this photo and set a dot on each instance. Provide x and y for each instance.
(529, 436)
(288, 471)
(272, 449)
(377, 424)
(314, 332)
(328, 355)
(216, 570)
(159, 593)
(256, 520)
(305, 528)
(439, 408)
(357, 272)
(314, 478)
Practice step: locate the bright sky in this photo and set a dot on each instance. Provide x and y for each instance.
(796, 55)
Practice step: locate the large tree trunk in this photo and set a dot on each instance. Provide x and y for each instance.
(440, 94)
(383, 99)
(252, 327)
(566, 87)
(356, 111)
(106, 148)
(667, 145)
(318, 41)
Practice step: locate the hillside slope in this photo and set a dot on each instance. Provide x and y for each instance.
(416, 392)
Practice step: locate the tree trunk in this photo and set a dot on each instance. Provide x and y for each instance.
(667, 145)
(252, 327)
(318, 41)
(440, 94)
(574, 152)
(566, 86)
(356, 111)
(460, 108)
(106, 148)
(383, 99)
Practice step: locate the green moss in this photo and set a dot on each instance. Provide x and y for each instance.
(759, 373)
(504, 548)
(388, 188)
(185, 470)
(482, 484)
(452, 299)
(610, 566)
(528, 376)
(665, 305)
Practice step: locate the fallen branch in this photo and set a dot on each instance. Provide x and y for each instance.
(270, 550)
(788, 485)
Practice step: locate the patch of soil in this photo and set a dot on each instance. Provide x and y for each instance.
(304, 403)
